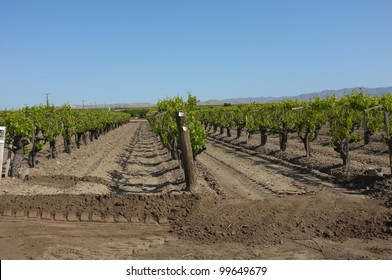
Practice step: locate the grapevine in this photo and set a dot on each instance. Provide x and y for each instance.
(30, 128)
(162, 121)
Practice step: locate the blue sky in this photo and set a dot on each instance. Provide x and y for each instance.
(142, 51)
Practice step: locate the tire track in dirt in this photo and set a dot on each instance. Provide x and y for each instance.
(232, 182)
(123, 247)
(112, 208)
(246, 175)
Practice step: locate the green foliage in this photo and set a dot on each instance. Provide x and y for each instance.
(18, 125)
(350, 113)
(162, 119)
(345, 115)
(137, 112)
(51, 121)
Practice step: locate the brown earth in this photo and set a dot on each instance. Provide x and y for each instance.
(122, 197)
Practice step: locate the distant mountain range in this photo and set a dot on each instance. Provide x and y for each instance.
(248, 100)
(307, 96)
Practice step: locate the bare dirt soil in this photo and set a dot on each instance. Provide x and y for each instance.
(122, 197)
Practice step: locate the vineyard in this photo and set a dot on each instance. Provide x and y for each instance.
(287, 180)
(353, 118)
(29, 129)
(355, 127)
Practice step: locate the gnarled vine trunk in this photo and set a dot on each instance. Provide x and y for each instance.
(16, 165)
(343, 149)
(264, 136)
(228, 132)
(305, 141)
(283, 135)
(239, 132)
(53, 149)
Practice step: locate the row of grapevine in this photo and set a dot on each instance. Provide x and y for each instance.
(30, 128)
(162, 119)
(282, 118)
(345, 117)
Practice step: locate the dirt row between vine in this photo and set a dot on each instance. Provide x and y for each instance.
(121, 197)
(324, 162)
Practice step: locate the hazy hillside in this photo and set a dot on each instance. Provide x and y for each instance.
(307, 96)
(247, 100)
(340, 92)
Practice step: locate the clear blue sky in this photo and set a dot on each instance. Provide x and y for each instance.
(142, 51)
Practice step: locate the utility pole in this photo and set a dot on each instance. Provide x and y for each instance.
(83, 103)
(47, 99)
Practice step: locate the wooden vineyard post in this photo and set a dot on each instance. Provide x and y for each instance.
(186, 151)
(8, 164)
(389, 138)
(346, 160)
(2, 141)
